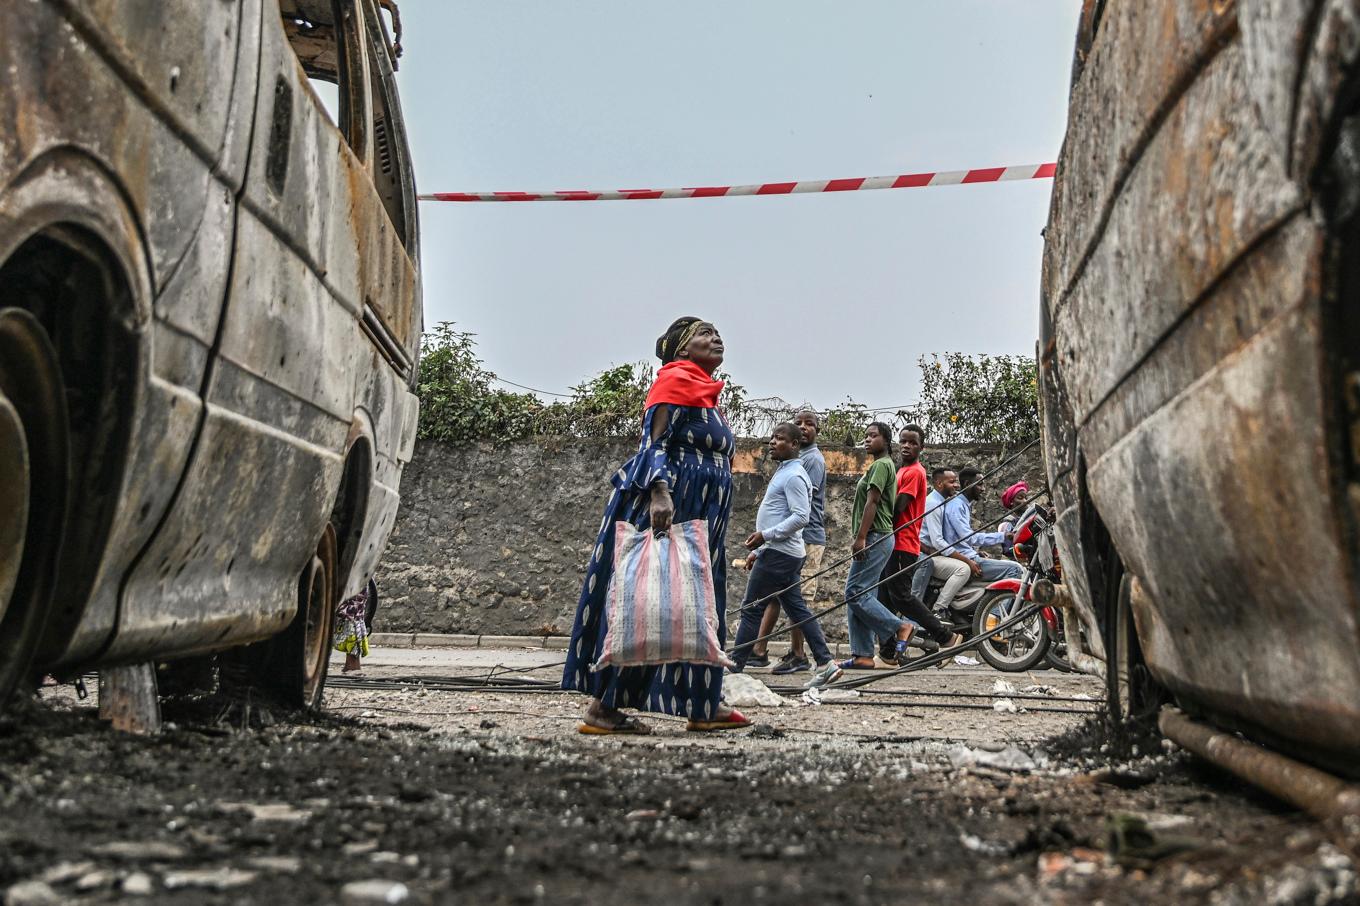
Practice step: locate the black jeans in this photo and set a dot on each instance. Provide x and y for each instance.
(902, 601)
(772, 571)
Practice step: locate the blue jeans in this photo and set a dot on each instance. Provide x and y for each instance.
(992, 570)
(774, 570)
(865, 613)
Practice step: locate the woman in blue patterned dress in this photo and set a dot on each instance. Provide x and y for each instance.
(682, 471)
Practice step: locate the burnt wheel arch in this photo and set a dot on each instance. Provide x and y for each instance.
(74, 286)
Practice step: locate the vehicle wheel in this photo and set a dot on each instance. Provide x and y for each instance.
(1018, 648)
(1131, 695)
(33, 473)
(293, 664)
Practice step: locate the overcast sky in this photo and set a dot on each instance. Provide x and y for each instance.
(818, 297)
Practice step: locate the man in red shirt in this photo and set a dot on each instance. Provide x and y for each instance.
(912, 488)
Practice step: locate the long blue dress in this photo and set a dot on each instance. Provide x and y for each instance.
(693, 455)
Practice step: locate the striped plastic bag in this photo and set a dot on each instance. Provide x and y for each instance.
(660, 602)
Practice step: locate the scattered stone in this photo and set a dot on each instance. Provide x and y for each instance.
(140, 851)
(819, 696)
(1131, 843)
(1123, 778)
(359, 847)
(1080, 861)
(642, 814)
(1008, 759)
(743, 691)
(212, 878)
(94, 880)
(63, 872)
(31, 893)
(375, 890)
(138, 884)
(385, 857)
(974, 843)
(288, 865)
(267, 811)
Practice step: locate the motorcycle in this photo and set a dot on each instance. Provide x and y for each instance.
(957, 617)
(1039, 637)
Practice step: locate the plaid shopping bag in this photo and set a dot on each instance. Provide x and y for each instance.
(660, 602)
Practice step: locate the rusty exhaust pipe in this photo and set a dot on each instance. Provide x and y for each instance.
(1315, 792)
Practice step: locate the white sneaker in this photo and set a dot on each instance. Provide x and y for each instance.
(824, 675)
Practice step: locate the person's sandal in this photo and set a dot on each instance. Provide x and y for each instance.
(734, 720)
(624, 726)
(900, 649)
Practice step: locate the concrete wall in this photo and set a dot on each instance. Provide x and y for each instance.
(493, 538)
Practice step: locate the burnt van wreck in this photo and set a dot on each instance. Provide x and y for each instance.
(210, 314)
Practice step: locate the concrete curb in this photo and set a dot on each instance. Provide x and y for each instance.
(548, 642)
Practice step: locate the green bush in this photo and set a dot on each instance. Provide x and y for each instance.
(459, 402)
(977, 399)
(964, 399)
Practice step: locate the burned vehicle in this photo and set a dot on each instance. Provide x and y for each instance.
(209, 320)
(1200, 364)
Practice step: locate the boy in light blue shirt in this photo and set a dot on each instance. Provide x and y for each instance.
(777, 551)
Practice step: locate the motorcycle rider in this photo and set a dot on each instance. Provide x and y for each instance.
(952, 567)
(960, 537)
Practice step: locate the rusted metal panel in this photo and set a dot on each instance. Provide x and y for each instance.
(1212, 173)
(1332, 57)
(1186, 362)
(1142, 57)
(1275, 35)
(1281, 274)
(179, 57)
(128, 699)
(1232, 532)
(133, 120)
(148, 142)
(295, 370)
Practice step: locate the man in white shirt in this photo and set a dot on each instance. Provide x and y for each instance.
(954, 568)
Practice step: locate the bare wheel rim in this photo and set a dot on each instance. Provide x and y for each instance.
(318, 605)
(1016, 643)
(31, 383)
(14, 498)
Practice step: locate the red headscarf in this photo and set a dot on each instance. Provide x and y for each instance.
(684, 383)
(1008, 496)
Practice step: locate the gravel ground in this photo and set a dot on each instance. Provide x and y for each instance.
(493, 798)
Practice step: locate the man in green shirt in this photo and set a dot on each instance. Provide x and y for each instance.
(872, 525)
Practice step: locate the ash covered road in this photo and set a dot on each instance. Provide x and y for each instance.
(492, 797)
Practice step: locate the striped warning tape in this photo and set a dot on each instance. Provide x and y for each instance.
(863, 183)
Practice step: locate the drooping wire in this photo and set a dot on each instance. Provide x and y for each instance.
(838, 563)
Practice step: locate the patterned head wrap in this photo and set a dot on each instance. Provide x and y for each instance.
(1008, 496)
(676, 338)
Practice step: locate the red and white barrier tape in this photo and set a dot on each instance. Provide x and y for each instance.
(909, 181)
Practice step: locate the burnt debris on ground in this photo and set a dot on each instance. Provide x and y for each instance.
(314, 807)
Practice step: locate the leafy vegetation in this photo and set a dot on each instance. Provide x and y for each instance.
(974, 399)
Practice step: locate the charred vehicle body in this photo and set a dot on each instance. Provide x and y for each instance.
(209, 321)
(1200, 364)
